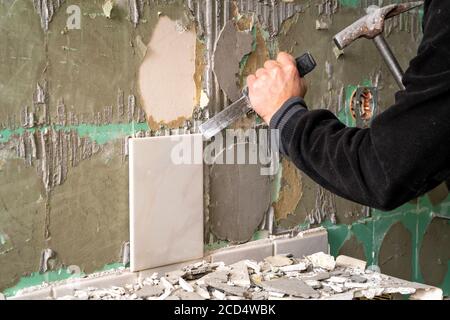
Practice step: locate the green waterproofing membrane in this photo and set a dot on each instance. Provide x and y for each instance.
(100, 134)
(37, 278)
(371, 231)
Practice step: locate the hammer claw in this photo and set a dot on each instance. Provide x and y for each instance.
(372, 24)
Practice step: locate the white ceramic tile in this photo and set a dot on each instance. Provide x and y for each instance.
(253, 250)
(302, 245)
(41, 294)
(166, 200)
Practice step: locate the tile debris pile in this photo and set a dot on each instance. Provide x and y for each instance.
(317, 276)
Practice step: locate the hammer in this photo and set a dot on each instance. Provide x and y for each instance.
(371, 27)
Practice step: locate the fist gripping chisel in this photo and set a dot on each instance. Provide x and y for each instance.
(305, 64)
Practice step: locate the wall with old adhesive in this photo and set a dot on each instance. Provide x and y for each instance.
(78, 77)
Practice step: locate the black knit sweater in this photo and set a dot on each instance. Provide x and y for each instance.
(405, 152)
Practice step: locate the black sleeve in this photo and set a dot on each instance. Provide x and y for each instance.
(404, 153)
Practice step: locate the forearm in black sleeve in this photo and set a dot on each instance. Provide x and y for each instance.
(404, 153)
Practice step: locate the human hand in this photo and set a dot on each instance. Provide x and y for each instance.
(274, 84)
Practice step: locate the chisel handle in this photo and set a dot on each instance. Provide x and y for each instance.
(305, 64)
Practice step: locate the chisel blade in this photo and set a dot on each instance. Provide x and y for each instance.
(305, 64)
(225, 117)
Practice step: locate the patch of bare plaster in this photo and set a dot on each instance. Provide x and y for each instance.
(232, 45)
(240, 195)
(290, 192)
(166, 76)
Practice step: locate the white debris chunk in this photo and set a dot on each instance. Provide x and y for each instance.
(337, 288)
(202, 292)
(173, 276)
(295, 267)
(322, 260)
(352, 285)
(372, 292)
(349, 262)
(186, 286)
(239, 274)
(253, 265)
(218, 294)
(278, 261)
(338, 279)
(315, 284)
(165, 294)
(276, 294)
(166, 283)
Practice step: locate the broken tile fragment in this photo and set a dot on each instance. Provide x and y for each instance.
(239, 274)
(276, 294)
(199, 270)
(253, 265)
(337, 288)
(322, 260)
(263, 295)
(278, 261)
(218, 295)
(318, 276)
(202, 292)
(313, 284)
(356, 278)
(295, 267)
(352, 285)
(150, 291)
(166, 283)
(372, 292)
(336, 279)
(173, 276)
(166, 294)
(232, 290)
(219, 276)
(293, 287)
(349, 262)
(185, 286)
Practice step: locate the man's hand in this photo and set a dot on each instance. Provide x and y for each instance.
(274, 84)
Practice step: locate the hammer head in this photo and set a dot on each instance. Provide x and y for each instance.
(371, 24)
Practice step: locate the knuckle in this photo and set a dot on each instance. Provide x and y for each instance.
(290, 67)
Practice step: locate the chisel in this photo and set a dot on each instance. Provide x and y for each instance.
(305, 64)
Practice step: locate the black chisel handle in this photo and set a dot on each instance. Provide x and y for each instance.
(305, 64)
